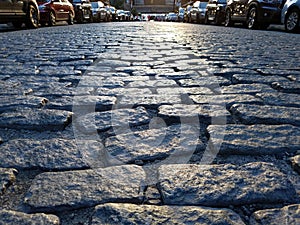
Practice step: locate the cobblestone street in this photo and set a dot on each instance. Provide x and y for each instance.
(149, 123)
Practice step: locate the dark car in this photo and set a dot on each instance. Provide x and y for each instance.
(55, 10)
(187, 14)
(198, 11)
(19, 12)
(255, 14)
(215, 12)
(113, 13)
(83, 10)
(100, 12)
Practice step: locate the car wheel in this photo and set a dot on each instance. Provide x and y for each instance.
(32, 20)
(52, 19)
(217, 19)
(228, 22)
(291, 22)
(80, 17)
(71, 19)
(252, 19)
(206, 21)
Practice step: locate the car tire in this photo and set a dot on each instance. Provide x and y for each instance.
(80, 17)
(252, 19)
(71, 19)
(228, 21)
(217, 19)
(52, 19)
(91, 17)
(32, 20)
(206, 21)
(291, 22)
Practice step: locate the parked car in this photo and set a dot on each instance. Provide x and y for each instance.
(83, 10)
(290, 15)
(20, 12)
(181, 12)
(254, 14)
(187, 14)
(215, 12)
(113, 13)
(55, 10)
(198, 12)
(128, 16)
(121, 16)
(171, 17)
(100, 13)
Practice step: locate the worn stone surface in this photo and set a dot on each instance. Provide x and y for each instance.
(254, 139)
(288, 86)
(280, 99)
(287, 215)
(265, 114)
(12, 102)
(99, 103)
(101, 121)
(246, 89)
(246, 79)
(7, 177)
(206, 113)
(51, 154)
(35, 119)
(148, 101)
(204, 81)
(154, 144)
(223, 185)
(55, 191)
(296, 163)
(145, 214)
(226, 99)
(9, 217)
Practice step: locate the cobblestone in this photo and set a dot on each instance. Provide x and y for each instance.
(9, 217)
(286, 215)
(146, 214)
(252, 114)
(89, 112)
(85, 188)
(223, 185)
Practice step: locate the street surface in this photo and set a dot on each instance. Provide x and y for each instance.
(149, 123)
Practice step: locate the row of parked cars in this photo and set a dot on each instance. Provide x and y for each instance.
(254, 14)
(33, 13)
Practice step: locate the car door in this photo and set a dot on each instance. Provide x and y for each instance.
(18, 7)
(6, 8)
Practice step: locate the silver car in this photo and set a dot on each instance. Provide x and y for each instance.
(290, 15)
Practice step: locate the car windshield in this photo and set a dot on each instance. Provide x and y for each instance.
(77, 1)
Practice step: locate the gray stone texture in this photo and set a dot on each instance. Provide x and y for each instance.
(223, 185)
(7, 177)
(246, 89)
(280, 99)
(154, 144)
(254, 139)
(111, 213)
(266, 114)
(192, 111)
(101, 121)
(226, 99)
(56, 191)
(288, 215)
(246, 79)
(50, 154)
(288, 86)
(9, 217)
(35, 119)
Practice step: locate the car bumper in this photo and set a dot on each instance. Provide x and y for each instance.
(269, 14)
